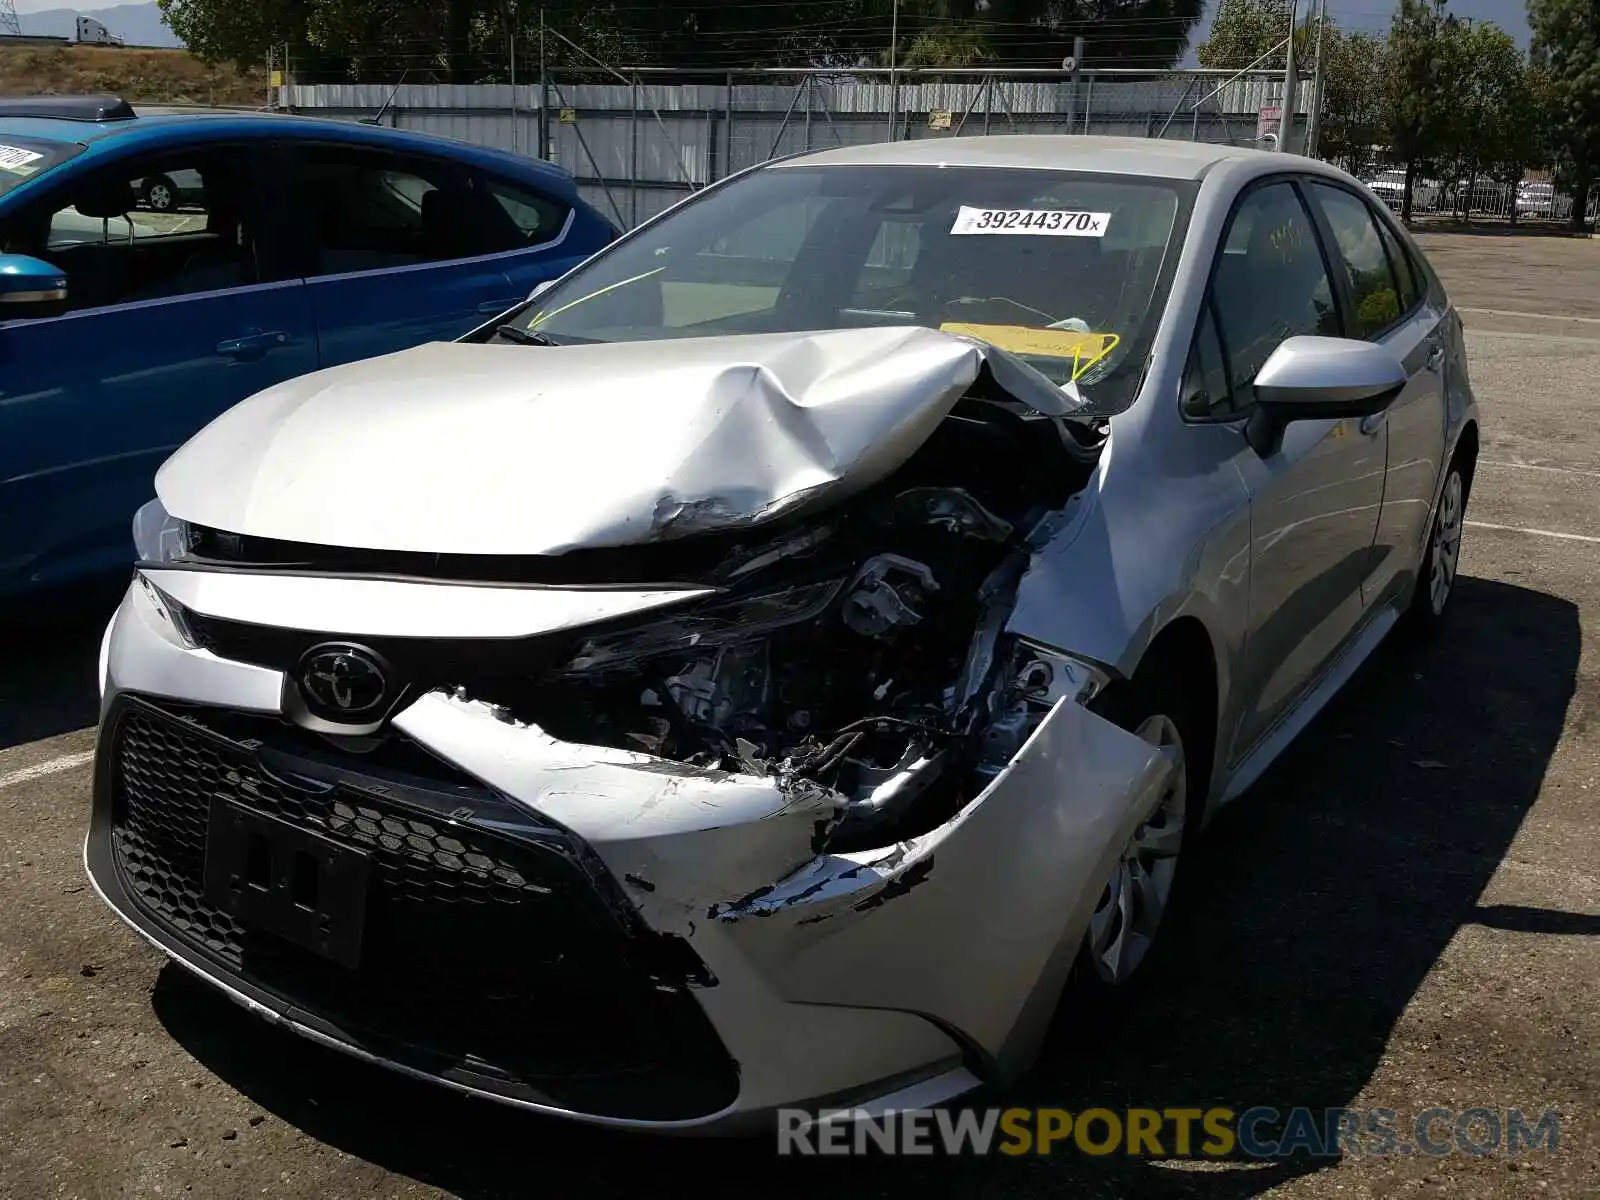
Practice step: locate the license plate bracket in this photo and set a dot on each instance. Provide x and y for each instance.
(297, 884)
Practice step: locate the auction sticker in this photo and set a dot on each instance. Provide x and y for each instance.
(1051, 222)
(15, 158)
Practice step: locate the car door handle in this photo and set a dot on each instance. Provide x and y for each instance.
(1373, 422)
(251, 345)
(491, 308)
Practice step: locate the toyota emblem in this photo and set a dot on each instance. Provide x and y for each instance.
(343, 682)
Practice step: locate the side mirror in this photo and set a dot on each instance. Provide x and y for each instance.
(1321, 379)
(30, 287)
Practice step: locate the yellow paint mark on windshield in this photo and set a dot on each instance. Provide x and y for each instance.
(542, 317)
(1084, 349)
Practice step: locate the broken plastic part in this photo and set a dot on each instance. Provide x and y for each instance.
(953, 509)
(886, 594)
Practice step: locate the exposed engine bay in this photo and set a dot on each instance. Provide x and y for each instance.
(860, 649)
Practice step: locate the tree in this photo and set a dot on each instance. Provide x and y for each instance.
(462, 40)
(1353, 114)
(1490, 129)
(1566, 49)
(1246, 32)
(1419, 103)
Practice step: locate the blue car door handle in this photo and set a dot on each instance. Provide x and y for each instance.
(251, 345)
(490, 308)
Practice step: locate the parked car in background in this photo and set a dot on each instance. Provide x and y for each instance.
(155, 269)
(163, 193)
(1482, 194)
(1536, 200)
(755, 672)
(1390, 187)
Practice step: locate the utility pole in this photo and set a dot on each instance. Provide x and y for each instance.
(1314, 137)
(894, 91)
(1291, 87)
(544, 96)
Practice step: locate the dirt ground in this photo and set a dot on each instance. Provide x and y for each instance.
(1404, 913)
(150, 76)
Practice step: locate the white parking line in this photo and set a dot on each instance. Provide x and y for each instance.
(1566, 339)
(1522, 466)
(1549, 533)
(52, 766)
(1501, 312)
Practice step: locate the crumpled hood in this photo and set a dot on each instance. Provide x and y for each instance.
(501, 449)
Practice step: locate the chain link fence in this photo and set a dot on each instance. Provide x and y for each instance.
(639, 140)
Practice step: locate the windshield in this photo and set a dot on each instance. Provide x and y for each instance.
(1064, 269)
(22, 158)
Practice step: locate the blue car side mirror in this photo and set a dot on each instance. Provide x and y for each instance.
(29, 286)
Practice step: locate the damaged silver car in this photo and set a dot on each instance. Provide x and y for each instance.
(765, 667)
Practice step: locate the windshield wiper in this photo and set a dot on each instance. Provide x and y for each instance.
(524, 337)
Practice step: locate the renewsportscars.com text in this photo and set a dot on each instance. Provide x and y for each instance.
(1258, 1132)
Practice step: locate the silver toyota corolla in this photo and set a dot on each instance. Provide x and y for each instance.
(765, 668)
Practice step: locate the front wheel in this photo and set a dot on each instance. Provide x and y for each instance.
(1134, 899)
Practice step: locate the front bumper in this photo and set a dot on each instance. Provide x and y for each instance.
(603, 935)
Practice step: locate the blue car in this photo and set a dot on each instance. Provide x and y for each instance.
(156, 269)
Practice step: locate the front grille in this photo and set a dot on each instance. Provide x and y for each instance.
(503, 954)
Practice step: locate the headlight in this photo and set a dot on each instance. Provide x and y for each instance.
(158, 536)
(1044, 676)
(707, 625)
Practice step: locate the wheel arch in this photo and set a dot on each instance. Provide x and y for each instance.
(1466, 453)
(1184, 647)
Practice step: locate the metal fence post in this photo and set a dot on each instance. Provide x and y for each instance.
(511, 52)
(544, 96)
(1088, 103)
(808, 111)
(727, 129)
(633, 156)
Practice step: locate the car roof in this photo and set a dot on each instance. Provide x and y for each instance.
(164, 124)
(1063, 152)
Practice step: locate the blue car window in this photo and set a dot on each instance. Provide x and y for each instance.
(536, 218)
(149, 229)
(368, 209)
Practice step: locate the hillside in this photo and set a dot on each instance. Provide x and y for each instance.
(154, 76)
(135, 24)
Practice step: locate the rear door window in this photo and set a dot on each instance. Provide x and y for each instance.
(363, 209)
(1373, 285)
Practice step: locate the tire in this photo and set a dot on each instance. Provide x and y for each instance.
(160, 194)
(1159, 706)
(1441, 557)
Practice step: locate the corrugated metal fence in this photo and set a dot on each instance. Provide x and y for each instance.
(638, 144)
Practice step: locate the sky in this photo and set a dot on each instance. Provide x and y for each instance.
(1372, 16)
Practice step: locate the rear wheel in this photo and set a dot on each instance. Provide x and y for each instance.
(1134, 899)
(160, 194)
(1436, 574)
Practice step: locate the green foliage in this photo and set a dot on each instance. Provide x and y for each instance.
(1244, 31)
(465, 40)
(1566, 50)
(1354, 113)
(1419, 91)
